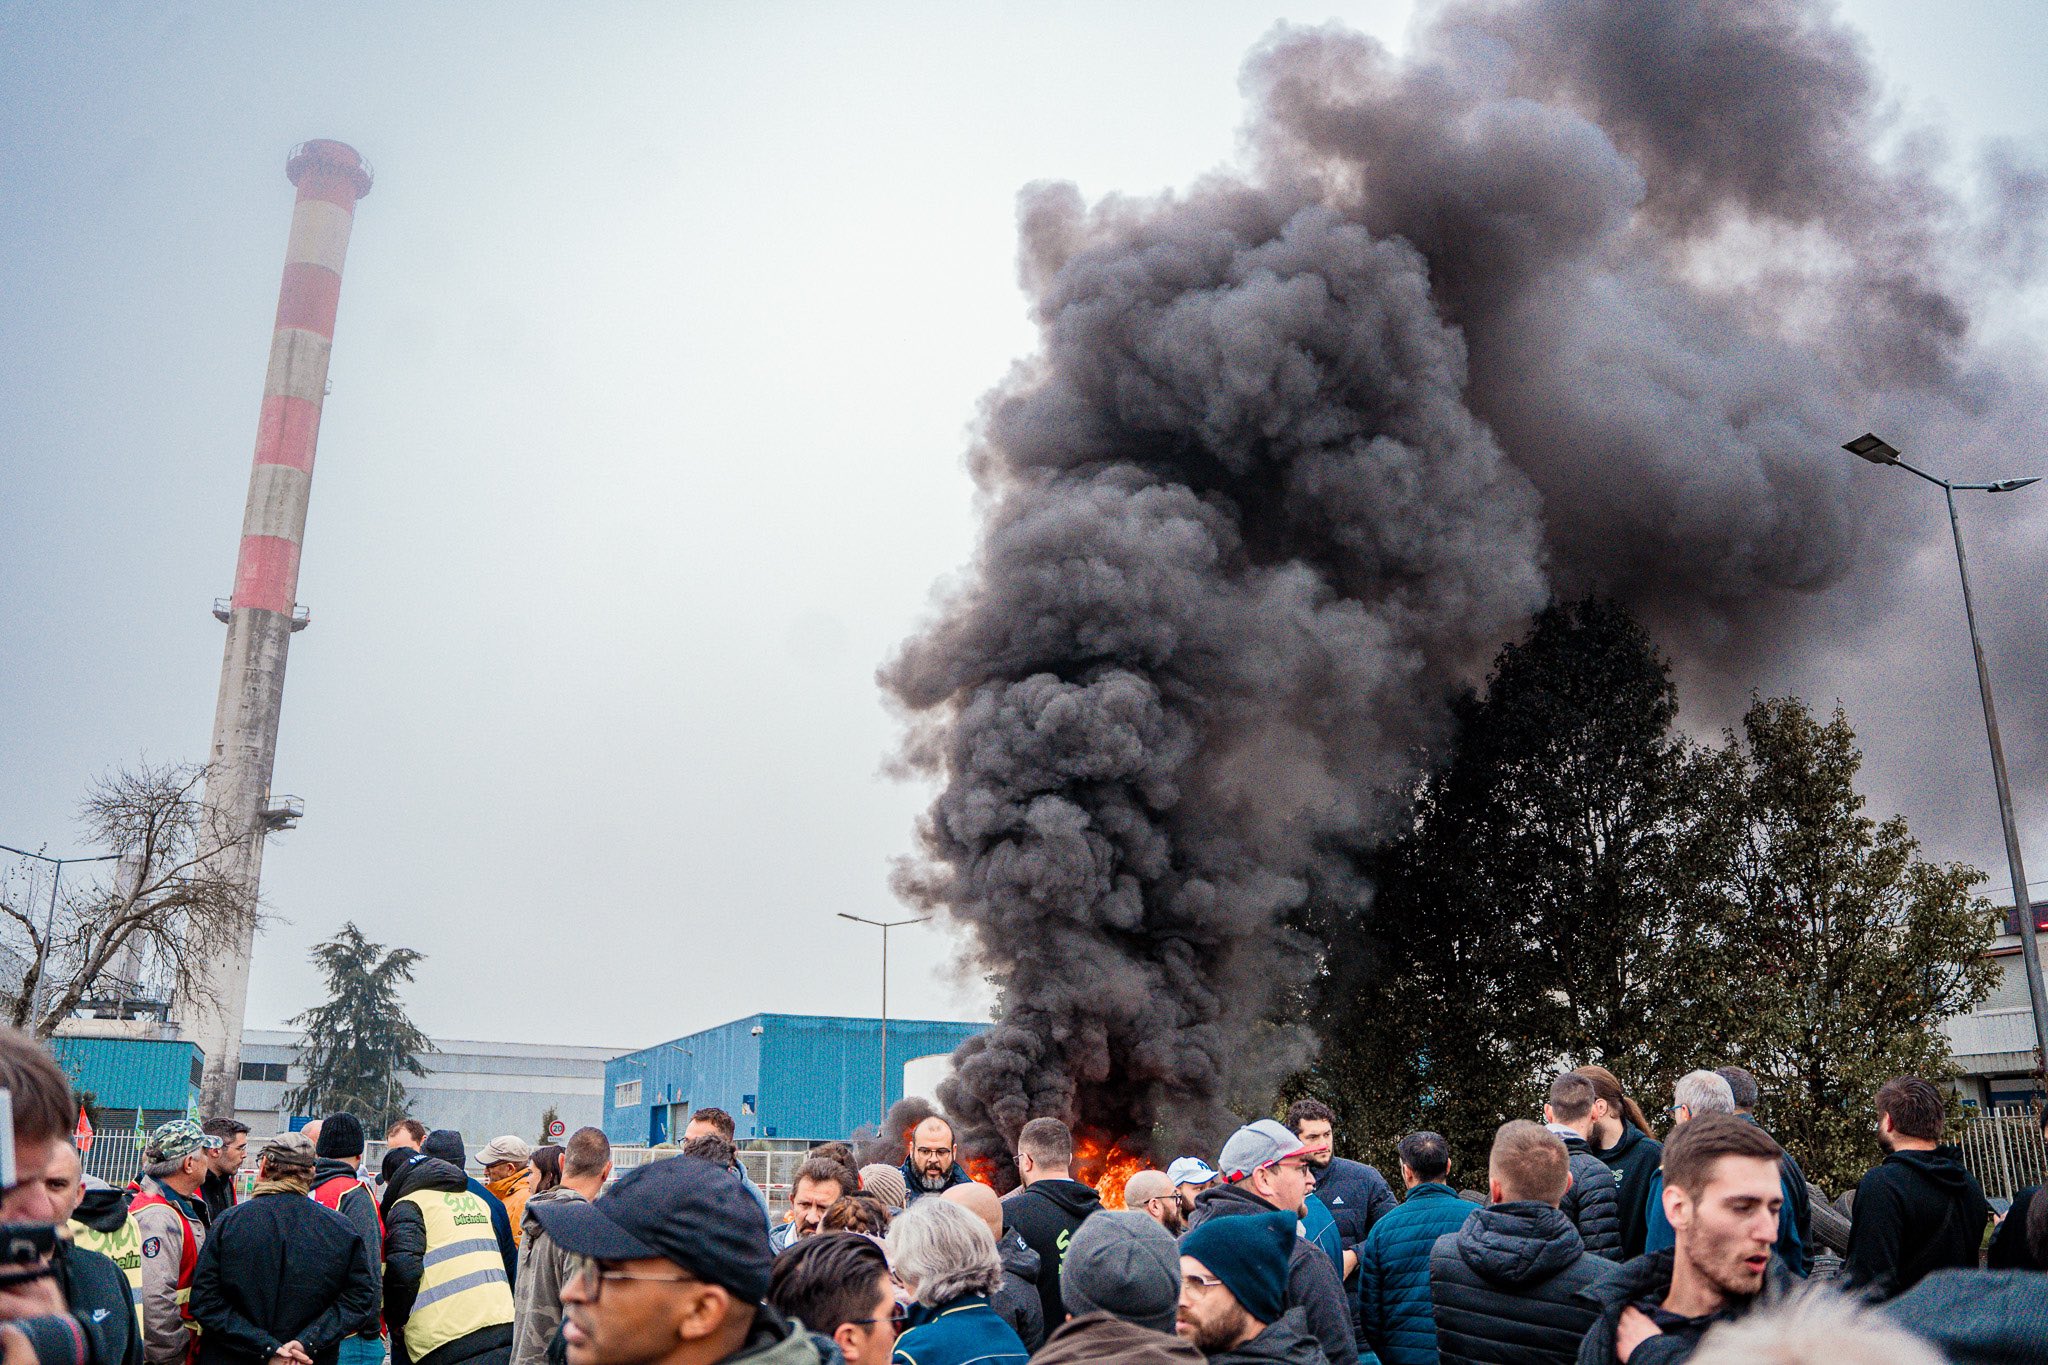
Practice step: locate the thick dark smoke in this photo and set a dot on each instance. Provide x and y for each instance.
(1582, 296)
(887, 1145)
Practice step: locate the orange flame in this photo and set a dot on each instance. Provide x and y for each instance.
(1106, 1165)
(982, 1169)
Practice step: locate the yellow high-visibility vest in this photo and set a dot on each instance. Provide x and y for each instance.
(122, 1246)
(463, 1288)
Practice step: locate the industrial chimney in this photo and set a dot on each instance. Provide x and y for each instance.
(264, 612)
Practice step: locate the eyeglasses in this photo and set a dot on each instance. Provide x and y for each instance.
(933, 1151)
(1201, 1284)
(595, 1272)
(895, 1319)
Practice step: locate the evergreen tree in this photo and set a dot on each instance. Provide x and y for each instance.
(547, 1122)
(358, 1044)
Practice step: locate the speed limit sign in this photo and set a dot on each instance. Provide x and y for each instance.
(557, 1128)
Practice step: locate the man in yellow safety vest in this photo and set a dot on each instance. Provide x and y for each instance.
(447, 1298)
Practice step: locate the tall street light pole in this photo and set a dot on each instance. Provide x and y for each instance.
(1878, 451)
(885, 927)
(57, 866)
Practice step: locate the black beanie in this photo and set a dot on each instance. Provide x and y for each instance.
(395, 1161)
(445, 1144)
(340, 1136)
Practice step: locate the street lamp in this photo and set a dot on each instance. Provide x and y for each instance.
(885, 927)
(1878, 451)
(50, 920)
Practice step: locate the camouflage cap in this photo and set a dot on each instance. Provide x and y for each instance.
(178, 1139)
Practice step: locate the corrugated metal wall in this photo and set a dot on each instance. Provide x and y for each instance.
(800, 1077)
(130, 1073)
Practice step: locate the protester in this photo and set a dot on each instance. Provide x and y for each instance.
(88, 1277)
(862, 1213)
(217, 1191)
(628, 1305)
(505, 1161)
(1795, 1228)
(1815, 1328)
(338, 1152)
(1265, 1169)
(446, 1144)
(2008, 1249)
(1920, 1210)
(1507, 1286)
(1980, 1317)
(1723, 1191)
(1696, 1093)
(1190, 1175)
(885, 1183)
(1621, 1138)
(586, 1163)
(543, 1172)
(819, 1184)
(172, 1219)
(1051, 1204)
(1121, 1287)
(1233, 1306)
(447, 1285)
(841, 1152)
(1151, 1193)
(406, 1133)
(1593, 1201)
(71, 1310)
(929, 1167)
(99, 1222)
(715, 1120)
(947, 1261)
(1393, 1266)
(1016, 1300)
(1356, 1194)
(281, 1276)
(838, 1285)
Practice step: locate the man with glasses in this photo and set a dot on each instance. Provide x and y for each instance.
(676, 1269)
(1152, 1193)
(1697, 1092)
(930, 1167)
(1233, 1292)
(1265, 1170)
(838, 1285)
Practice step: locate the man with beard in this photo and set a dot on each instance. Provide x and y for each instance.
(1233, 1292)
(1050, 1207)
(1152, 1193)
(1920, 1210)
(1722, 1193)
(1189, 1176)
(1355, 1194)
(819, 1183)
(929, 1167)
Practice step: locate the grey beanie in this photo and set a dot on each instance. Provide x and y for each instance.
(1124, 1264)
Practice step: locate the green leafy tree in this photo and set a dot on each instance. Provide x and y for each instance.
(1845, 948)
(360, 1042)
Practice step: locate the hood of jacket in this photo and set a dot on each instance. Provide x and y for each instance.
(1095, 1337)
(103, 1210)
(1941, 1168)
(327, 1167)
(427, 1173)
(1286, 1340)
(775, 1340)
(1071, 1195)
(1518, 1244)
(1631, 1137)
(1221, 1200)
(1018, 1259)
(560, 1194)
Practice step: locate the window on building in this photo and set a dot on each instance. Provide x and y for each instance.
(264, 1071)
(626, 1095)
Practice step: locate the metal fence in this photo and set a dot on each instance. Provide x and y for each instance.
(115, 1157)
(2004, 1150)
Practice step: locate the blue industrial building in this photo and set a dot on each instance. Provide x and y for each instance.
(160, 1077)
(790, 1077)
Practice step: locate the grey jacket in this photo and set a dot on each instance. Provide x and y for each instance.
(537, 1293)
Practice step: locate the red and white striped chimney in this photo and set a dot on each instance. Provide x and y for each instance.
(264, 612)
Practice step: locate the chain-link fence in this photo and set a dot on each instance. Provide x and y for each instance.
(2004, 1150)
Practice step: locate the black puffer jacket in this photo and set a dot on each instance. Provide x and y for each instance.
(1916, 1213)
(1312, 1284)
(405, 1260)
(1016, 1299)
(1634, 1158)
(279, 1268)
(1593, 1203)
(1510, 1287)
(1286, 1342)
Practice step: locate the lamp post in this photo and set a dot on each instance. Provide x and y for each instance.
(50, 920)
(1878, 451)
(885, 926)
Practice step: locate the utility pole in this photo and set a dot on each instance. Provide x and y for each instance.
(57, 866)
(885, 927)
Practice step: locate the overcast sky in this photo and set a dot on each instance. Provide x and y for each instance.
(659, 340)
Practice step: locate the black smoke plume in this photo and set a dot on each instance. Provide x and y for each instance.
(889, 1145)
(1583, 295)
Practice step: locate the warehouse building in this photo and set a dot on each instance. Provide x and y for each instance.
(785, 1078)
(1994, 1043)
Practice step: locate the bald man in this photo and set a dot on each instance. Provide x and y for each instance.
(1151, 1192)
(1017, 1299)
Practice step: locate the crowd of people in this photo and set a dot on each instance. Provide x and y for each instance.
(1586, 1239)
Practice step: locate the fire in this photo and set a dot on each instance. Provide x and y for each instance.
(982, 1169)
(1106, 1165)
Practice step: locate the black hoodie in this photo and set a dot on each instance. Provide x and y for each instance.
(1634, 1158)
(1916, 1213)
(1509, 1287)
(1045, 1214)
(1312, 1283)
(104, 1209)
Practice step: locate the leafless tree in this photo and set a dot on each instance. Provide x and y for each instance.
(175, 901)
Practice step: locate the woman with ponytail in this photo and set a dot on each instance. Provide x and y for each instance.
(1621, 1138)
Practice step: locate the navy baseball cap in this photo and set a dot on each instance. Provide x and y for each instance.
(682, 1209)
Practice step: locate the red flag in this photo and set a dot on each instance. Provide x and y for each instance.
(82, 1135)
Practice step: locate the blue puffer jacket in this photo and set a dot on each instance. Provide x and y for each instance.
(1393, 1274)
